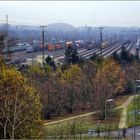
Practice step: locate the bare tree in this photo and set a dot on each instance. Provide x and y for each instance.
(19, 105)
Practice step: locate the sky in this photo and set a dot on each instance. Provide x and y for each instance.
(77, 13)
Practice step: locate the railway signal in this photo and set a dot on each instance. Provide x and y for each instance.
(43, 58)
(101, 38)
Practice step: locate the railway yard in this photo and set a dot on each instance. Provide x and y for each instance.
(58, 55)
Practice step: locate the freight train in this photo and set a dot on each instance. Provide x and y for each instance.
(52, 47)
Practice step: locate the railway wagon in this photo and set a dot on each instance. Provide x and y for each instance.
(105, 44)
(90, 45)
(58, 46)
(51, 47)
(29, 49)
(54, 47)
(68, 43)
(79, 43)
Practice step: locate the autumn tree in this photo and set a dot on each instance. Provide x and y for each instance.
(35, 74)
(51, 95)
(109, 80)
(20, 107)
(61, 91)
(49, 98)
(132, 73)
(87, 88)
(71, 81)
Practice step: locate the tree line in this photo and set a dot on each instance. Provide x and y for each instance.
(30, 94)
(77, 87)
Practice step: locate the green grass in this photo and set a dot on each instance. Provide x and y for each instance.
(82, 125)
(132, 108)
(85, 138)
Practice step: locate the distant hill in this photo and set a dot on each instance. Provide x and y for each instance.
(60, 31)
(60, 27)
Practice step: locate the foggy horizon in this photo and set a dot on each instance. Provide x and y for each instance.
(76, 13)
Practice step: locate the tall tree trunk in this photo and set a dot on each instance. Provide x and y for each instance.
(13, 133)
(5, 126)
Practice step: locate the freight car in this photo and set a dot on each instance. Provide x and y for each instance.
(105, 44)
(58, 46)
(52, 47)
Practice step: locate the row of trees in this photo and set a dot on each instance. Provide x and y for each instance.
(87, 85)
(66, 89)
(77, 87)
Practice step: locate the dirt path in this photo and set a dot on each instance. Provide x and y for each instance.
(71, 118)
(123, 117)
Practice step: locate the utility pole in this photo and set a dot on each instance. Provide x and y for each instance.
(32, 45)
(101, 38)
(43, 45)
(7, 22)
(6, 38)
(9, 55)
(17, 33)
(85, 32)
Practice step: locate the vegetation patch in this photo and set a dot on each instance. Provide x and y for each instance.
(80, 126)
(120, 100)
(133, 112)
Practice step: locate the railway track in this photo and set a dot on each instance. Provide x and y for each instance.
(98, 51)
(84, 53)
(107, 52)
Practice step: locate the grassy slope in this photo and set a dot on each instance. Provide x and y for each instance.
(135, 105)
(83, 124)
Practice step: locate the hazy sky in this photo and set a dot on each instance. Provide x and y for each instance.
(77, 13)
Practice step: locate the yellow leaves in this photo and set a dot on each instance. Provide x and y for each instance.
(111, 76)
(72, 75)
(10, 81)
(19, 101)
(35, 69)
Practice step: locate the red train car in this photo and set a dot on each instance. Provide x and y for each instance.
(58, 46)
(51, 47)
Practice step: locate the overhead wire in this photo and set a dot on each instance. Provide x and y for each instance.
(32, 18)
(22, 23)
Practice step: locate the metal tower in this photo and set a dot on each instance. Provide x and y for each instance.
(101, 38)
